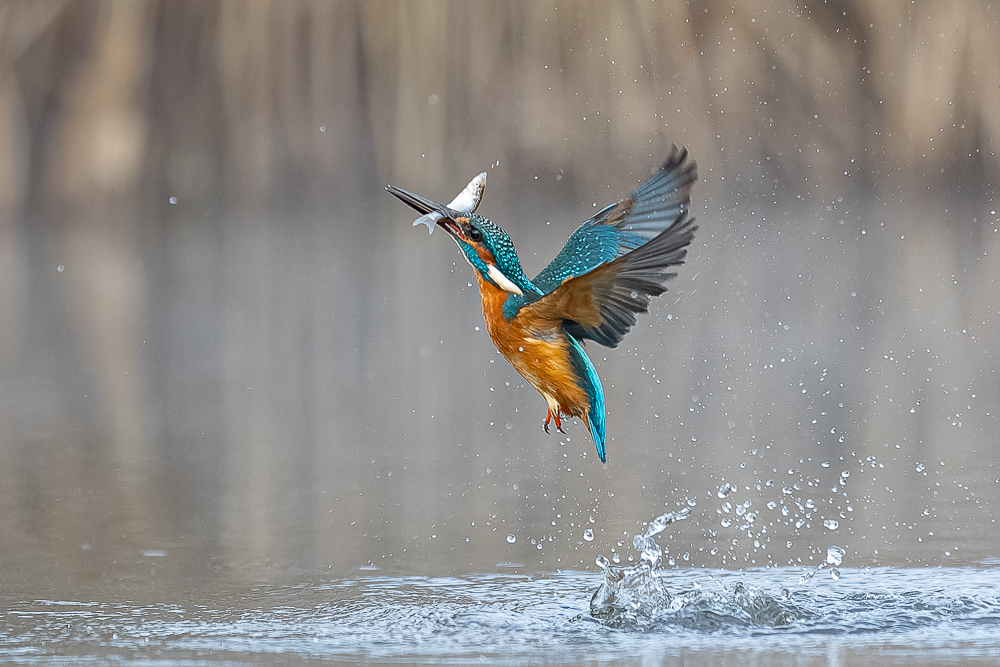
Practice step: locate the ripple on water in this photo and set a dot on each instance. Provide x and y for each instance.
(515, 618)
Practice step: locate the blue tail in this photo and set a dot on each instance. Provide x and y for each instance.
(592, 385)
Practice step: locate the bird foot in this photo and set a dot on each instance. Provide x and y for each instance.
(549, 417)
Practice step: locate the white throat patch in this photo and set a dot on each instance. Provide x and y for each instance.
(503, 281)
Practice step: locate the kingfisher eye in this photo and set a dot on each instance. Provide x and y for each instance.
(475, 234)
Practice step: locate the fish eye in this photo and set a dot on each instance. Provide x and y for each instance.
(475, 234)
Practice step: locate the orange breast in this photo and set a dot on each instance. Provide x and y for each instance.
(540, 356)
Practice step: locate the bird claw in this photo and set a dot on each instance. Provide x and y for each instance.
(548, 417)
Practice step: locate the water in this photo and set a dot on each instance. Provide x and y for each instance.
(899, 615)
(636, 612)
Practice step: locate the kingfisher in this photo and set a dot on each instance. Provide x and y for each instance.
(605, 275)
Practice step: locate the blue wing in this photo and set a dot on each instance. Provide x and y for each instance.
(626, 225)
(602, 304)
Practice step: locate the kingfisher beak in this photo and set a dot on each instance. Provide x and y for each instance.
(432, 212)
(420, 204)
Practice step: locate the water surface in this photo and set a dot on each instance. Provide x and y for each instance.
(891, 615)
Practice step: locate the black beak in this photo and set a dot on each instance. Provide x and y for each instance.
(445, 218)
(418, 203)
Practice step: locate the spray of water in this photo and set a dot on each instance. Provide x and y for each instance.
(638, 596)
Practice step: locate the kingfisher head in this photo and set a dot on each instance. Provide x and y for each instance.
(483, 243)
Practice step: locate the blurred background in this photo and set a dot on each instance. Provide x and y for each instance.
(226, 355)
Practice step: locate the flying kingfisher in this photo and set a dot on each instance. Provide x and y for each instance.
(605, 274)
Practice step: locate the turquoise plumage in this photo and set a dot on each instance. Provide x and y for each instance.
(603, 277)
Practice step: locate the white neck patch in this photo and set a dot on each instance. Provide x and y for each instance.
(503, 281)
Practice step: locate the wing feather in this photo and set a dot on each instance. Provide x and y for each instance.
(622, 227)
(602, 304)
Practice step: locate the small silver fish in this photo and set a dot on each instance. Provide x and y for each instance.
(466, 201)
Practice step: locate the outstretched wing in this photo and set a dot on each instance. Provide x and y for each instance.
(619, 228)
(602, 304)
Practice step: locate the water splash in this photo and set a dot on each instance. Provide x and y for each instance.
(834, 556)
(637, 596)
(631, 594)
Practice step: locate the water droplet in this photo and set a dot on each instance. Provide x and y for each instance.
(771, 505)
(835, 574)
(322, 128)
(657, 525)
(60, 268)
(588, 535)
(512, 538)
(726, 488)
(845, 474)
(920, 467)
(172, 200)
(835, 555)
(602, 562)
(831, 524)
